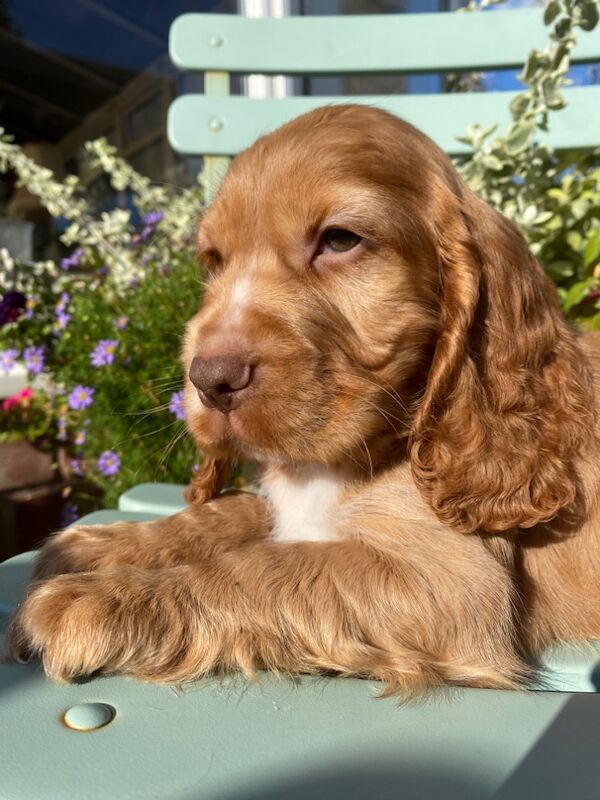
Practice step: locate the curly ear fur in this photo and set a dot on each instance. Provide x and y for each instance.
(508, 403)
(209, 481)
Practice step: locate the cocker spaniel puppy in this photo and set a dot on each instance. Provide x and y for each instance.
(385, 347)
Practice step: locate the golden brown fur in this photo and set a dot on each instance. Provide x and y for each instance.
(422, 392)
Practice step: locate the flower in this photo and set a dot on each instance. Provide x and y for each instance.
(8, 358)
(81, 397)
(29, 306)
(80, 438)
(62, 320)
(21, 398)
(77, 466)
(11, 307)
(109, 463)
(176, 405)
(104, 352)
(121, 322)
(63, 301)
(69, 513)
(73, 260)
(34, 359)
(153, 218)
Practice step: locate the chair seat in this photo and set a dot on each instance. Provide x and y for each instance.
(156, 498)
(316, 738)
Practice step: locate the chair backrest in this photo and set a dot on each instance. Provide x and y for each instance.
(217, 124)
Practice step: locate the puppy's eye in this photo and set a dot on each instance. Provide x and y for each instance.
(339, 240)
(212, 259)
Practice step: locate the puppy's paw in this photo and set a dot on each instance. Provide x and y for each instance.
(85, 623)
(83, 548)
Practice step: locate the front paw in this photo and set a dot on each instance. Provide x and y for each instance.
(83, 548)
(86, 623)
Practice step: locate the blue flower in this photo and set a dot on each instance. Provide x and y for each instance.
(104, 353)
(121, 322)
(81, 397)
(8, 359)
(34, 359)
(73, 260)
(109, 463)
(176, 405)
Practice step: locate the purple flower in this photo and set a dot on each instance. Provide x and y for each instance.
(176, 405)
(104, 353)
(109, 463)
(73, 260)
(11, 307)
(153, 218)
(62, 320)
(69, 513)
(80, 438)
(121, 322)
(146, 233)
(81, 397)
(34, 359)
(77, 466)
(103, 270)
(7, 359)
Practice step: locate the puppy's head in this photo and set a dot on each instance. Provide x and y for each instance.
(359, 297)
(321, 297)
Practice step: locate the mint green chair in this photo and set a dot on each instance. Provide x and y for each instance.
(320, 738)
(219, 125)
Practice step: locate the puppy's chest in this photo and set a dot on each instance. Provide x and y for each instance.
(305, 504)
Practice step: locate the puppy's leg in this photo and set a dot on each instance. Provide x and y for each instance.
(186, 537)
(294, 607)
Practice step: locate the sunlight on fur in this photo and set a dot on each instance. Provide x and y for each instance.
(387, 350)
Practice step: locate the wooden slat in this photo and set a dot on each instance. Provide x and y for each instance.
(192, 128)
(364, 44)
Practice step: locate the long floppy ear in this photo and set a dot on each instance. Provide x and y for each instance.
(508, 404)
(209, 481)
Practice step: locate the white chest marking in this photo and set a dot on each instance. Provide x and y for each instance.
(304, 504)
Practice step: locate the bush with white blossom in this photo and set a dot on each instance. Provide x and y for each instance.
(99, 332)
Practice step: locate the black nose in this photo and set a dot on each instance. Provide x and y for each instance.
(219, 380)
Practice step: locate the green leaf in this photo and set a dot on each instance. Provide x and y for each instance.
(595, 322)
(591, 251)
(588, 16)
(578, 292)
(493, 162)
(530, 66)
(560, 270)
(551, 12)
(519, 105)
(519, 137)
(552, 95)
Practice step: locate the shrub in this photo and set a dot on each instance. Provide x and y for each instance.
(553, 197)
(100, 331)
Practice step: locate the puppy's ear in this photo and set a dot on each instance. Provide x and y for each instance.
(508, 403)
(209, 481)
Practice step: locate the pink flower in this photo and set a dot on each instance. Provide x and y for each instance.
(21, 398)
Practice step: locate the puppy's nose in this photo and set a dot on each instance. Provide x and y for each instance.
(220, 379)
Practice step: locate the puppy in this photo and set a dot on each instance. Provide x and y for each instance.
(388, 351)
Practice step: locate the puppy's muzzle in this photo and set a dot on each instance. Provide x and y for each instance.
(220, 380)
